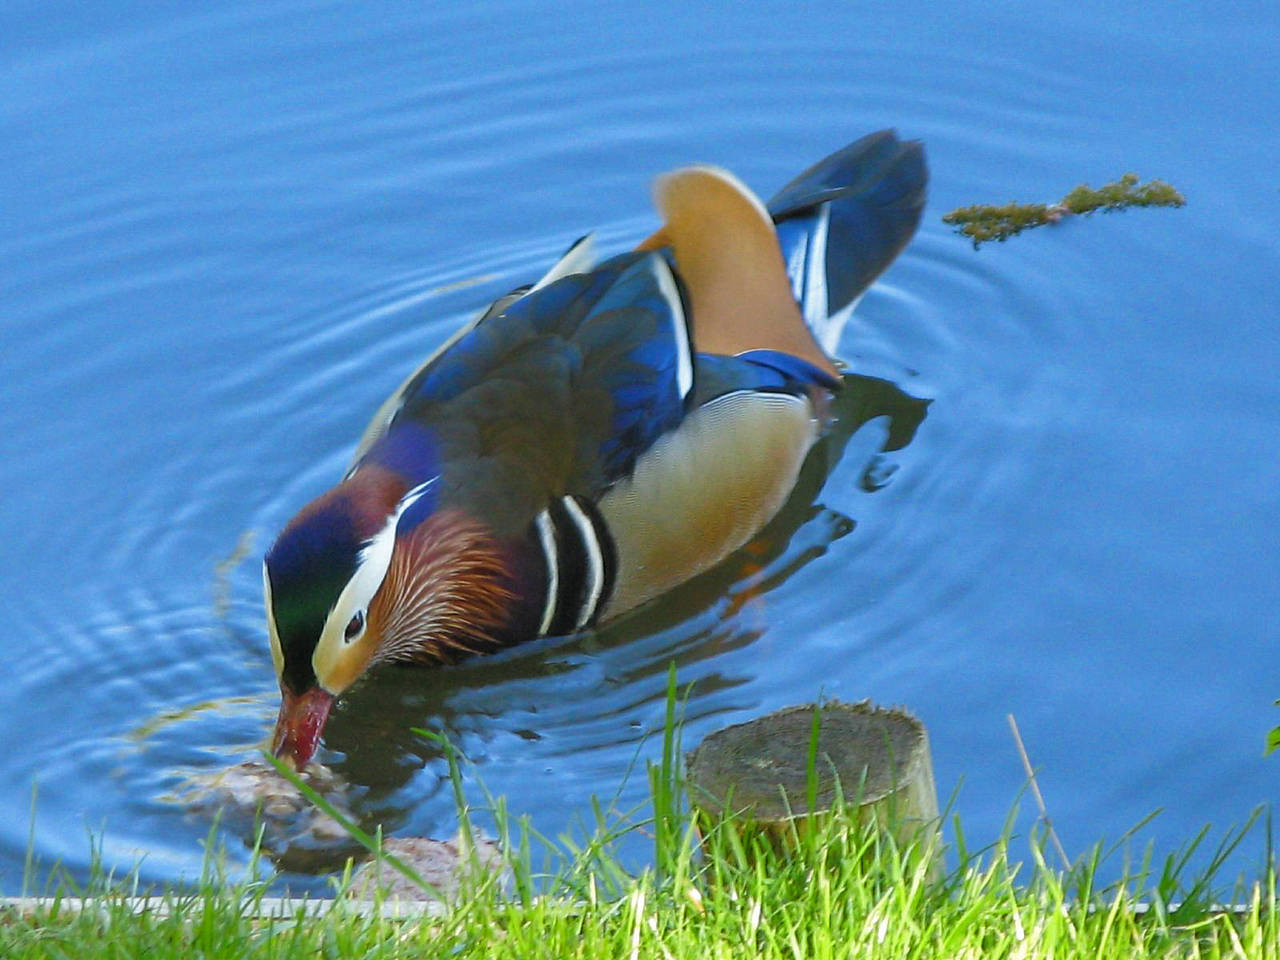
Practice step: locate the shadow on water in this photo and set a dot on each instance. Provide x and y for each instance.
(524, 690)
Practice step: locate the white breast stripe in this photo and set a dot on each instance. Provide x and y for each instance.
(594, 557)
(547, 536)
(679, 326)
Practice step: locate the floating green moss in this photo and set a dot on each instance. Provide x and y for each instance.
(983, 222)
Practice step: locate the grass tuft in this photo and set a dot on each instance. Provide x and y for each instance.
(714, 890)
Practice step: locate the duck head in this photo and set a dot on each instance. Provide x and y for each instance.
(374, 571)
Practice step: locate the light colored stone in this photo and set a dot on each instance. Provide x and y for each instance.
(441, 863)
(251, 785)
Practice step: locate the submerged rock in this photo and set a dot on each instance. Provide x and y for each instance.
(443, 864)
(251, 796)
(252, 788)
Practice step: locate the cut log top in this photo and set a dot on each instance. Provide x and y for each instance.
(760, 767)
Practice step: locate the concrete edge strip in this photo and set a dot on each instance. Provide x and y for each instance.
(266, 908)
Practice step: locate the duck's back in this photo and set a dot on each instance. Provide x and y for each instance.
(638, 420)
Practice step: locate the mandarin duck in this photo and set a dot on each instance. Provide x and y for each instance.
(592, 440)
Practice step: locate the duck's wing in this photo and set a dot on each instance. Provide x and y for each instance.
(844, 220)
(579, 258)
(556, 396)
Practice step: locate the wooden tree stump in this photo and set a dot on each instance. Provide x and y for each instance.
(876, 759)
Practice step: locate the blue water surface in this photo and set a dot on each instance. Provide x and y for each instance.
(230, 229)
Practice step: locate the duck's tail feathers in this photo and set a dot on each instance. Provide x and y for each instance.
(844, 220)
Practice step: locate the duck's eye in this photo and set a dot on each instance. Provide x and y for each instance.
(355, 627)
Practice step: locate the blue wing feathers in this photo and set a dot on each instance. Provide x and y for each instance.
(644, 386)
(611, 330)
(871, 195)
(877, 167)
(793, 368)
(408, 448)
(757, 370)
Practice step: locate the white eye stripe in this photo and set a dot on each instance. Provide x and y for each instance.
(412, 497)
(375, 559)
(372, 564)
(384, 539)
